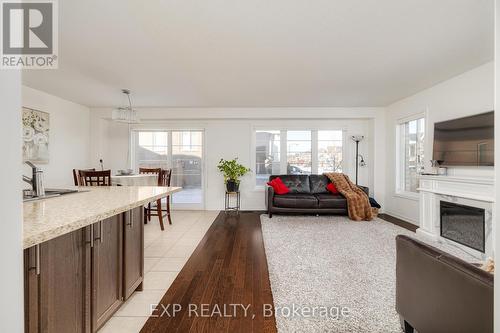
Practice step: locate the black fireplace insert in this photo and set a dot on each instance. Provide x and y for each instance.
(463, 224)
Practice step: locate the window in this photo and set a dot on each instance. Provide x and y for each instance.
(152, 149)
(297, 152)
(329, 151)
(411, 154)
(186, 141)
(267, 155)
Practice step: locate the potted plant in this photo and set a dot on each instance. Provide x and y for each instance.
(232, 172)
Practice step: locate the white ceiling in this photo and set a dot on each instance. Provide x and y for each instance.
(263, 52)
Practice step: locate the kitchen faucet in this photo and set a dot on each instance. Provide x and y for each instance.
(36, 180)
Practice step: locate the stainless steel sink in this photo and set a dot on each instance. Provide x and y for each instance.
(29, 195)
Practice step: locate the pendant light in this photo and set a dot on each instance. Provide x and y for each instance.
(128, 116)
(125, 114)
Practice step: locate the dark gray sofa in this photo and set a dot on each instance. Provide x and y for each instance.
(308, 194)
(438, 292)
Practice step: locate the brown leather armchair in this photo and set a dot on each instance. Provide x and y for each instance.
(437, 292)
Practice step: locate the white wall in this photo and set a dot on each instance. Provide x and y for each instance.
(469, 93)
(229, 134)
(11, 227)
(69, 141)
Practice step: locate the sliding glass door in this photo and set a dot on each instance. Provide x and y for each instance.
(187, 157)
(179, 150)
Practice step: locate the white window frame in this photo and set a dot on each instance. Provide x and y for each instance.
(283, 148)
(400, 155)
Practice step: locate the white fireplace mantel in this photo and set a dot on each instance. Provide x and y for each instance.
(475, 192)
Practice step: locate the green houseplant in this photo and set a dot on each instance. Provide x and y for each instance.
(232, 172)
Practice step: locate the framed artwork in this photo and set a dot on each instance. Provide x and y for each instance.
(36, 128)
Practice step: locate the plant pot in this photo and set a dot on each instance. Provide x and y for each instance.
(232, 186)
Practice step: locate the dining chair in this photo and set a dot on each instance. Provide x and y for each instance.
(150, 171)
(95, 178)
(77, 178)
(164, 178)
(147, 209)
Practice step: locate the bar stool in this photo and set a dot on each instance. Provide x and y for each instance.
(77, 178)
(164, 178)
(95, 178)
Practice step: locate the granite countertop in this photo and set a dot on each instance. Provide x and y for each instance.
(49, 218)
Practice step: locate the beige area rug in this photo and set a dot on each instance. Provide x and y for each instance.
(343, 269)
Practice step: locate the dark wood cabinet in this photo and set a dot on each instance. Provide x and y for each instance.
(107, 274)
(57, 284)
(133, 249)
(76, 282)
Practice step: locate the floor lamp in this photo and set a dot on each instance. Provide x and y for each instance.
(357, 139)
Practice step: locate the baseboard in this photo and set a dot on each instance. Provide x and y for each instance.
(402, 217)
(420, 231)
(254, 211)
(398, 222)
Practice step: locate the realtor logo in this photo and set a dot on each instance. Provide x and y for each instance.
(29, 34)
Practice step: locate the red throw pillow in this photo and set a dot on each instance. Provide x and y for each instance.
(279, 186)
(332, 189)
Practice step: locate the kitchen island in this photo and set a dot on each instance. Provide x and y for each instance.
(84, 255)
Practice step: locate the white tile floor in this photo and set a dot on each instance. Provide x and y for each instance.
(165, 253)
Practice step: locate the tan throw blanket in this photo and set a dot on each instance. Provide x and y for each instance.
(358, 204)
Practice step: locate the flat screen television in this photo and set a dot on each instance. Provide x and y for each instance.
(467, 141)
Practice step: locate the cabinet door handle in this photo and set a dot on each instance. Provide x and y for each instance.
(130, 222)
(37, 259)
(36, 265)
(101, 231)
(92, 235)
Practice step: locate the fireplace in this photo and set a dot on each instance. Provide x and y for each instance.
(463, 224)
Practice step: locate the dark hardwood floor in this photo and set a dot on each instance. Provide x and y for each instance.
(226, 271)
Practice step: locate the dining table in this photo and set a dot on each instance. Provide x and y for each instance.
(140, 179)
